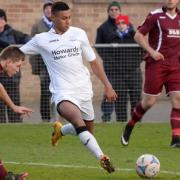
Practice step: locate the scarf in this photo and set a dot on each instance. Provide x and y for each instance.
(47, 22)
(123, 34)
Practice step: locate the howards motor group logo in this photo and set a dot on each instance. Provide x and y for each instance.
(64, 53)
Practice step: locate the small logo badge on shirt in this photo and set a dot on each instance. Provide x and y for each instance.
(72, 38)
(53, 40)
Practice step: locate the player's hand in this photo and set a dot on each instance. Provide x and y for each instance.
(157, 56)
(22, 110)
(110, 94)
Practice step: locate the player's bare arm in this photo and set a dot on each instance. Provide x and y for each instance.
(19, 109)
(22, 110)
(99, 72)
(141, 40)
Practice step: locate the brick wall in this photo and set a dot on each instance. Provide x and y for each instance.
(22, 14)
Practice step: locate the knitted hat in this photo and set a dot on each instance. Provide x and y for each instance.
(122, 18)
(3, 14)
(47, 3)
(114, 3)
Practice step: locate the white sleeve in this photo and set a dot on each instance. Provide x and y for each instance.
(87, 50)
(31, 47)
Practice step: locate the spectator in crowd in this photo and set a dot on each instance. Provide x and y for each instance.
(8, 36)
(162, 67)
(104, 36)
(126, 74)
(38, 66)
(125, 31)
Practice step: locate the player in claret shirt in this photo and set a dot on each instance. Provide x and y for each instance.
(162, 66)
(11, 59)
(62, 49)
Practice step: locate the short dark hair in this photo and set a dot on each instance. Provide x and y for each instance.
(59, 6)
(48, 3)
(3, 14)
(13, 53)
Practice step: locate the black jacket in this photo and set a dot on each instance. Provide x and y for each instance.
(12, 36)
(127, 58)
(104, 36)
(8, 37)
(118, 59)
(105, 31)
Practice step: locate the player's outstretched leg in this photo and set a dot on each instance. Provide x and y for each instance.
(106, 164)
(90, 142)
(81, 129)
(56, 135)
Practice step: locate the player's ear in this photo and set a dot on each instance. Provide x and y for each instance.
(52, 17)
(8, 61)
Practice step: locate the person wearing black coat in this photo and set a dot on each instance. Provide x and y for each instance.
(37, 63)
(104, 35)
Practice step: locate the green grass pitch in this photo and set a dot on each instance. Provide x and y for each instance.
(26, 147)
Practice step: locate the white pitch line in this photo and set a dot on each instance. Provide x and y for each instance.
(78, 166)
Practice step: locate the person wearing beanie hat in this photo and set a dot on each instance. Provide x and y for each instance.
(127, 70)
(118, 29)
(38, 66)
(9, 36)
(124, 28)
(114, 4)
(105, 32)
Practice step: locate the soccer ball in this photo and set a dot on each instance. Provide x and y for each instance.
(147, 165)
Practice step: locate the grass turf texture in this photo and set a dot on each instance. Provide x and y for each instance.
(30, 143)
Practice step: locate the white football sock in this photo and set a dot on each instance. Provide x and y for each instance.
(90, 142)
(68, 129)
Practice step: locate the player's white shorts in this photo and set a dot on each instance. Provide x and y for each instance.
(85, 106)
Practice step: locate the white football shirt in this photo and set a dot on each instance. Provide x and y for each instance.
(63, 56)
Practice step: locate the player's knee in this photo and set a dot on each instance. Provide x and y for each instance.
(148, 103)
(176, 101)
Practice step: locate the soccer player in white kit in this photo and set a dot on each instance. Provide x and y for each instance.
(63, 49)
